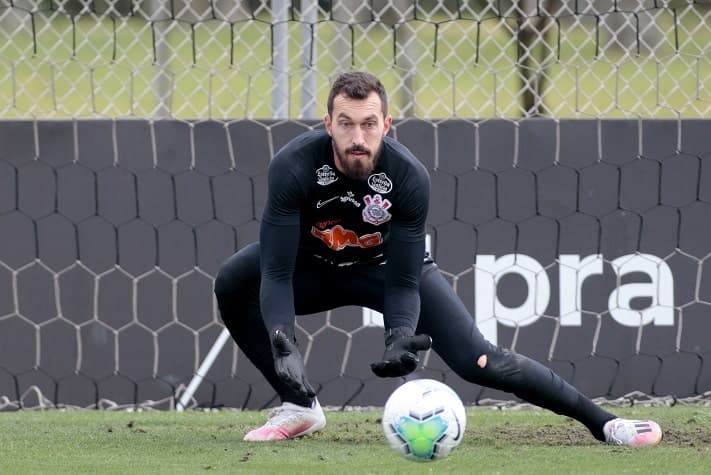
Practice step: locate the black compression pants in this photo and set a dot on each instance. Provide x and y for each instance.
(456, 339)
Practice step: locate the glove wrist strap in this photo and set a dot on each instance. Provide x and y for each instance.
(392, 334)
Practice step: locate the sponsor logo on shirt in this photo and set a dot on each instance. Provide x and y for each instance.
(326, 223)
(380, 183)
(375, 211)
(338, 238)
(325, 175)
(349, 197)
(320, 203)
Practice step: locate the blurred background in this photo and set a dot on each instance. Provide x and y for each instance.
(439, 58)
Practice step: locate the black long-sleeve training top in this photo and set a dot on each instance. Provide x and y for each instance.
(315, 212)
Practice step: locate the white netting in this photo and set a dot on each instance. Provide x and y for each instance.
(583, 244)
(257, 59)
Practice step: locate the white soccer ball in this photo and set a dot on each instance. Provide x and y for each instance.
(424, 420)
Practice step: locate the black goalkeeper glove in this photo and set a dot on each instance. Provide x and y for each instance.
(289, 365)
(401, 347)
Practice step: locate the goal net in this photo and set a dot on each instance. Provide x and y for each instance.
(567, 144)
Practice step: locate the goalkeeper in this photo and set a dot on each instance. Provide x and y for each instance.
(344, 224)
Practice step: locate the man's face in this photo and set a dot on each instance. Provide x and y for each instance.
(357, 128)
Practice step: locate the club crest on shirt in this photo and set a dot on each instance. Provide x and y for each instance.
(375, 211)
(325, 175)
(380, 183)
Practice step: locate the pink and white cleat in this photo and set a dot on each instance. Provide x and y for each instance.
(289, 421)
(632, 433)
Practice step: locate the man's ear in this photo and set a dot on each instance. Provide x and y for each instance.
(388, 124)
(327, 123)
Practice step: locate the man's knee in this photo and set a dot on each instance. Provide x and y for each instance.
(527, 379)
(495, 368)
(500, 364)
(237, 273)
(223, 284)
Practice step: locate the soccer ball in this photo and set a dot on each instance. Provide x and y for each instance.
(424, 420)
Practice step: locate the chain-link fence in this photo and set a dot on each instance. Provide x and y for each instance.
(225, 59)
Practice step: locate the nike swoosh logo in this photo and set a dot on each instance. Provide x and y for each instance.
(320, 203)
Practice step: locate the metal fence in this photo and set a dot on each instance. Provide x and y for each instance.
(439, 59)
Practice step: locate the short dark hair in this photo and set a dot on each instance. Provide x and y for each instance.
(357, 85)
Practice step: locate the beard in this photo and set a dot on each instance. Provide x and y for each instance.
(356, 169)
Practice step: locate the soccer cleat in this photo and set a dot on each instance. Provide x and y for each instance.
(632, 433)
(289, 421)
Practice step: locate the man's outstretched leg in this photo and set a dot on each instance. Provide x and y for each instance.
(461, 345)
(237, 292)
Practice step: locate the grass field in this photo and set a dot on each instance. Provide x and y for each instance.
(503, 442)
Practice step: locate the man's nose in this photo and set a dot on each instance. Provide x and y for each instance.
(358, 137)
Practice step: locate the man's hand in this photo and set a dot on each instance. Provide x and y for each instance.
(401, 347)
(289, 365)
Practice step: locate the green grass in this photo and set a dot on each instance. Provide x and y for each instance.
(515, 442)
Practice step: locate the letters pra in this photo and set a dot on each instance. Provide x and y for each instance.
(573, 271)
